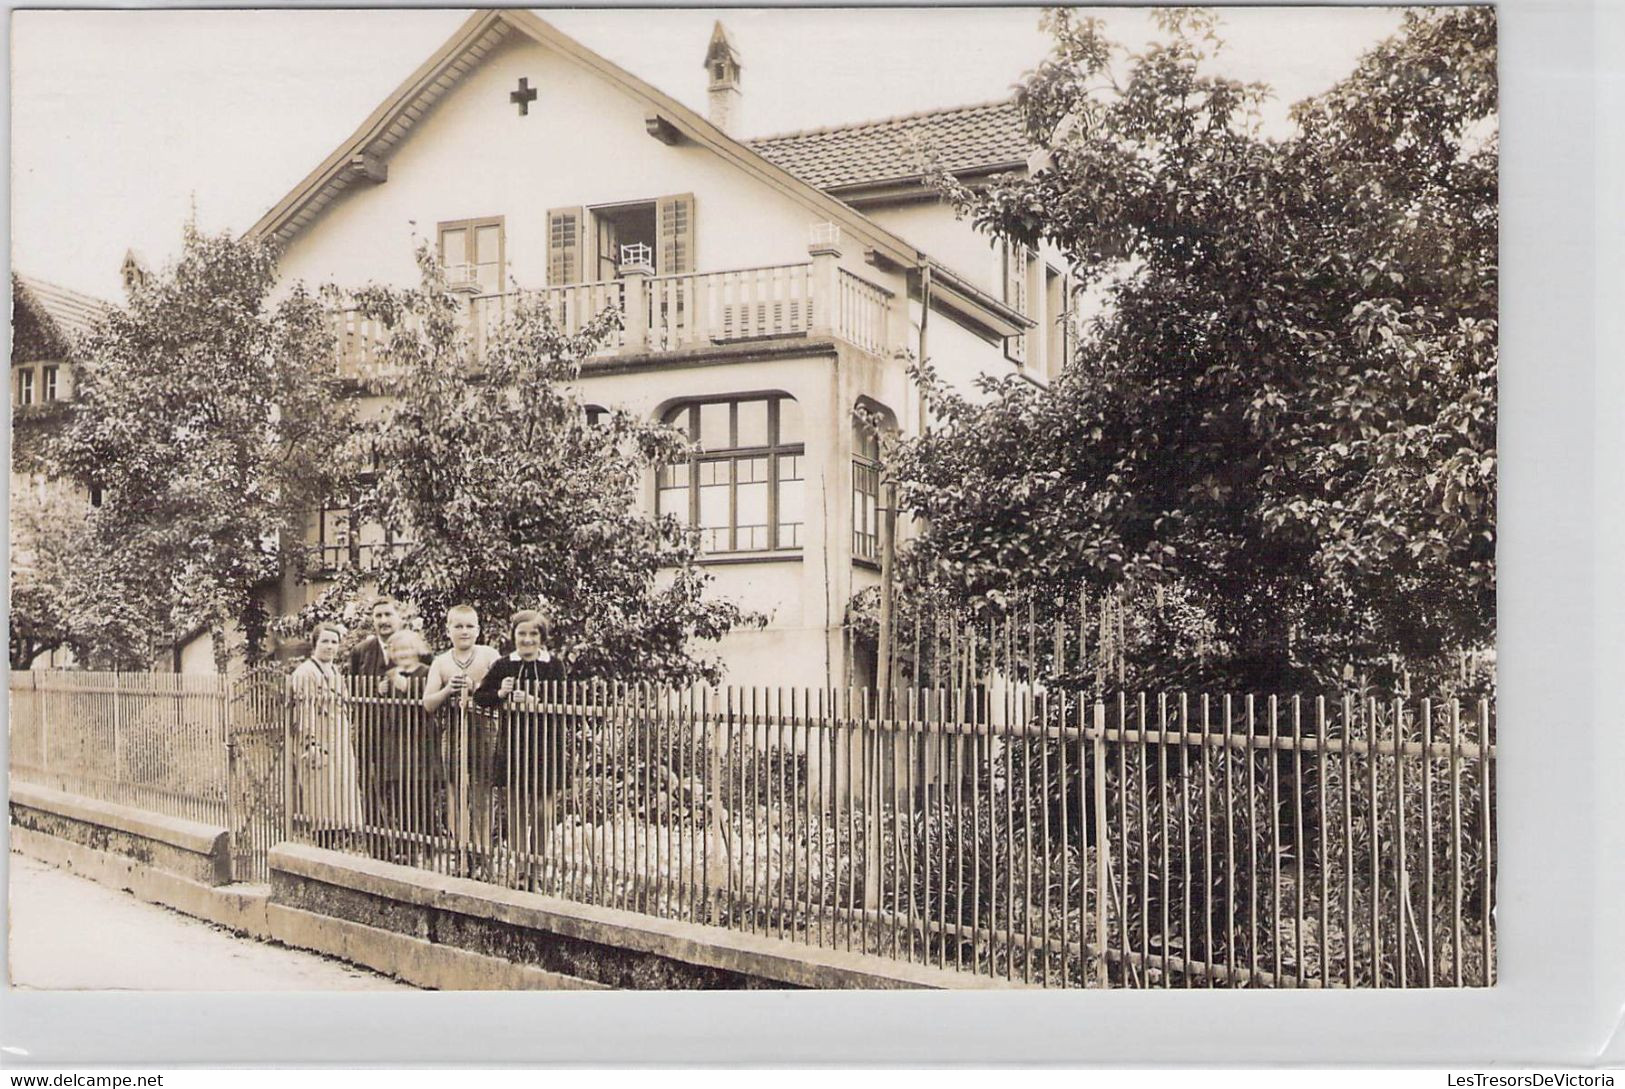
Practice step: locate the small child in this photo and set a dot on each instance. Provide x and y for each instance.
(410, 771)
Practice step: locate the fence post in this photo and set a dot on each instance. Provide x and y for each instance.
(872, 830)
(461, 819)
(222, 705)
(717, 863)
(118, 744)
(39, 702)
(1103, 841)
(290, 755)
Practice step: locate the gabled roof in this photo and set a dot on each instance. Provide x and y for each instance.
(71, 312)
(363, 158)
(362, 155)
(965, 140)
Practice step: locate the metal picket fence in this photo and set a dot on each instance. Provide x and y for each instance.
(1048, 838)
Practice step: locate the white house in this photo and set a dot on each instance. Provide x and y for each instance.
(769, 288)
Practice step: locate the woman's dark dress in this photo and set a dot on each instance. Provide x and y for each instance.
(530, 760)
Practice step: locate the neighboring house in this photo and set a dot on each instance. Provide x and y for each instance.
(47, 323)
(771, 289)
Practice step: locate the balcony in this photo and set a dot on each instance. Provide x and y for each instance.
(674, 313)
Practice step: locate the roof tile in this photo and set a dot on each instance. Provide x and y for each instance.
(962, 139)
(72, 311)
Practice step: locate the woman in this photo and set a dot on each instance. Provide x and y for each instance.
(531, 742)
(327, 794)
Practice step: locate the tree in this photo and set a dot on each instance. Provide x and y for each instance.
(1285, 405)
(511, 497)
(39, 618)
(207, 417)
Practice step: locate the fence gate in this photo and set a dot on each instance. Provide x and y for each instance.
(258, 727)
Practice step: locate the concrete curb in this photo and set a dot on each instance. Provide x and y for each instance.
(412, 960)
(188, 835)
(704, 946)
(191, 850)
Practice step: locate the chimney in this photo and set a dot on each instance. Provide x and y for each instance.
(722, 67)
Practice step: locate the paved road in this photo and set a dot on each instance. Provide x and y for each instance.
(69, 933)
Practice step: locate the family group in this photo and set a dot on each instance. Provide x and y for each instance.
(378, 746)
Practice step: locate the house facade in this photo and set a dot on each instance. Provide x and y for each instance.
(48, 322)
(772, 291)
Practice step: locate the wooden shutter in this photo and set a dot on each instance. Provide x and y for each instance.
(1015, 294)
(564, 245)
(674, 228)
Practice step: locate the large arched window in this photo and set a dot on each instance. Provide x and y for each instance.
(742, 487)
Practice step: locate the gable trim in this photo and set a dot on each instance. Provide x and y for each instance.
(477, 36)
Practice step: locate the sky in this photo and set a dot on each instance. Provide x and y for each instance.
(124, 122)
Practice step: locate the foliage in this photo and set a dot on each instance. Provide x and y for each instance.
(42, 531)
(206, 416)
(34, 336)
(1285, 405)
(512, 498)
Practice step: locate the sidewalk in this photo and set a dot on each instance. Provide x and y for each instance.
(70, 933)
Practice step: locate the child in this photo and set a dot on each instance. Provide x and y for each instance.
(454, 675)
(408, 760)
(470, 738)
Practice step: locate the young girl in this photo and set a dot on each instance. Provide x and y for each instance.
(531, 757)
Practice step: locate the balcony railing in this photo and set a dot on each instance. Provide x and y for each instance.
(673, 313)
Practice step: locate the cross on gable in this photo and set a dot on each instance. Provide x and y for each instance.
(524, 96)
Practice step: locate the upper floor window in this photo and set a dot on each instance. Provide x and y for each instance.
(49, 383)
(337, 539)
(1016, 260)
(472, 251)
(742, 488)
(590, 244)
(25, 386)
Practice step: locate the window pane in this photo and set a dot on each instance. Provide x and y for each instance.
(674, 476)
(752, 516)
(674, 501)
(714, 472)
(714, 433)
(865, 511)
(715, 505)
(789, 421)
(487, 244)
(791, 490)
(454, 248)
(679, 417)
(753, 423)
(487, 251)
(335, 531)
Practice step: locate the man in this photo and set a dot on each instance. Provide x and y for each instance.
(371, 657)
(369, 663)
